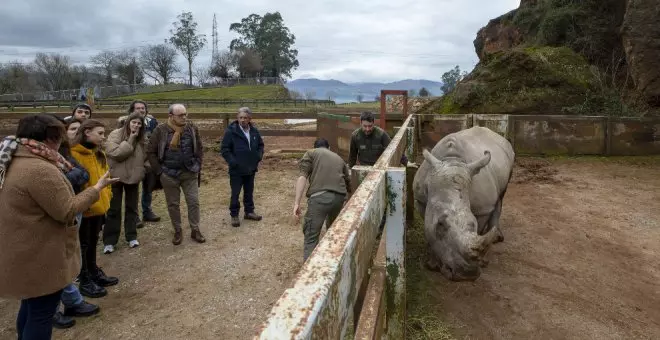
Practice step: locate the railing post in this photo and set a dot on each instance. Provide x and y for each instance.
(395, 226)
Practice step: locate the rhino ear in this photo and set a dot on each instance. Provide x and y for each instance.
(477, 165)
(431, 159)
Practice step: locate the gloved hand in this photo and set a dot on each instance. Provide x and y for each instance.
(412, 165)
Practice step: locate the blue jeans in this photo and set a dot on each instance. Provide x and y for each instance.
(35, 317)
(71, 296)
(146, 200)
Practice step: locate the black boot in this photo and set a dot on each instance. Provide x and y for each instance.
(150, 217)
(62, 322)
(99, 277)
(89, 288)
(83, 309)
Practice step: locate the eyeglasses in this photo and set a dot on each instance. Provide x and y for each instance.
(180, 115)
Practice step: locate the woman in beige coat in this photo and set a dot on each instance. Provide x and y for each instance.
(39, 249)
(125, 149)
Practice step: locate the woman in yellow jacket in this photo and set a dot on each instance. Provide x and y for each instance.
(87, 149)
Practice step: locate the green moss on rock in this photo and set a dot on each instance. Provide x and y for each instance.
(526, 80)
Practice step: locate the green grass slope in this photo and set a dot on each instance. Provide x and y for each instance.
(532, 80)
(238, 92)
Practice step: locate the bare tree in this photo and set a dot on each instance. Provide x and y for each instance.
(309, 94)
(202, 74)
(79, 76)
(295, 95)
(105, 62)
(53, 71)
(16, 77)
(222, 65)
(159, 62)
(128, 68)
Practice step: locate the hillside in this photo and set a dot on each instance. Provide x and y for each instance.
(237, 92)
(348, 92)
(564, 57)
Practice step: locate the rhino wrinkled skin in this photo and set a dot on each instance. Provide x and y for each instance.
(458, 190)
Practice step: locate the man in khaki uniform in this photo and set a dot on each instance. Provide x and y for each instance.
(329, 184)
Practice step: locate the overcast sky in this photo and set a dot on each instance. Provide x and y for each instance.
(347, 40)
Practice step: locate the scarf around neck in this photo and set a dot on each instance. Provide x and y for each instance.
(9, 145)
(178, 129)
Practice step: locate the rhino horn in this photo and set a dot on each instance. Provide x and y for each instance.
(478, 164)
(483, 241)
(431, 159)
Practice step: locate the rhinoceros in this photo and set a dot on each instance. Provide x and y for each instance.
(458, 190)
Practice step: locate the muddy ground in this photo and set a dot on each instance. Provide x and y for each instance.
(580, 260)
(221, 289)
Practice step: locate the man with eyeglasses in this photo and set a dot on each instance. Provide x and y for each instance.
(175, 153)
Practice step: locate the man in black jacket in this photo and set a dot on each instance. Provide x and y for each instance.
(242, 148)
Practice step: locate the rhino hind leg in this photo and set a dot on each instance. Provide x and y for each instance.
(494, 221)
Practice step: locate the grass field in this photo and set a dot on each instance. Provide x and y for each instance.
(238, 92)
(340, 108)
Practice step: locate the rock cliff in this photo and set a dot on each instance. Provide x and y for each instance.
(564, 56)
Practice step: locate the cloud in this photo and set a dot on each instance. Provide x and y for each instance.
(347, 40)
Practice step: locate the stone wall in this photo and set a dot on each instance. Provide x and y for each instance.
(395, 103)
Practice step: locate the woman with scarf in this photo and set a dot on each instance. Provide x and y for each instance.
(87, 149)
(38, 237)
(126, 156)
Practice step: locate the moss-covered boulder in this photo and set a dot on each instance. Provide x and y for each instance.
(531, 80)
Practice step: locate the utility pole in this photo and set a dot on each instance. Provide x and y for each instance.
(214, 53)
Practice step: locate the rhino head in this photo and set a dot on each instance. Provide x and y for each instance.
(450, 228)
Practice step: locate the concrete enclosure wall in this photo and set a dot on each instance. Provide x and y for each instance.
(555, 135)
(337, 129)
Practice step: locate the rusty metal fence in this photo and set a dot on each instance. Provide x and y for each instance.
(343, 290)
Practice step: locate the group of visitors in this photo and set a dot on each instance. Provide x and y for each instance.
(64, 184)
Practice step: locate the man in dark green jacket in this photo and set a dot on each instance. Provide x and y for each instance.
(329, 184)
(368, 142)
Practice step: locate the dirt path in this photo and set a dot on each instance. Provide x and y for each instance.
(580, 259)
(222, 289)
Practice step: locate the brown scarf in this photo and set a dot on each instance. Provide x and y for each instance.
(178, 130)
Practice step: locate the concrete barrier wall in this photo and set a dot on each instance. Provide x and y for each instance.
(337, 129)
(555, 135)
(338, 293)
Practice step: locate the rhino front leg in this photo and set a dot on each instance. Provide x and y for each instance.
(494, 221)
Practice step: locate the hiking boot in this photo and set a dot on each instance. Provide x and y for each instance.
(62, 322)
(102, 280)
(252, 216)
(139, 224)
(235, 222)
(90, 289)
(83, 309)
(197, 236)
(150, 217)
(177, 238)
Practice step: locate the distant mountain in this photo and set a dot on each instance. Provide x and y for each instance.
(348, 92)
